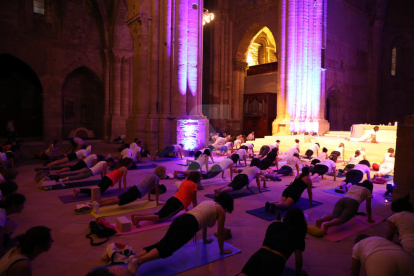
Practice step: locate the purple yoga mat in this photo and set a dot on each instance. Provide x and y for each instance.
(81, 197)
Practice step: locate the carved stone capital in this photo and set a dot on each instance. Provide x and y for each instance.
(140, 25)
(240, 66)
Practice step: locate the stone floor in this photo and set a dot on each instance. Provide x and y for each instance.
(71, 254)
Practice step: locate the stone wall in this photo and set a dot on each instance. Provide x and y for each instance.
(70, 35)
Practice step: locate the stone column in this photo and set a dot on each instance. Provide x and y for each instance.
(180, 62)
(125, 77)
(193, 59)
(107, 87)
(140, 28)
(115, 97)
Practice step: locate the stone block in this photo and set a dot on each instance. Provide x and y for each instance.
(123, 224)
(96, 194)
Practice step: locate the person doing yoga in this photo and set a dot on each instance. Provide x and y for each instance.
(100, 168)
(380, 257)
(49, 152)
(264, 150)
(282, 239)
(150, 182)
(243, 179)
(387, 167)
(187, 194)
(402, 222)
(296, 145)
(195, 166)
(80, 155)
(293, 192)
(75, 145)
(226, 148)
(185, 227)
(321, 156)
(325, 167)
(110, 179)
(205, 151)
(271, 157)
(314, 149)
(369, 136)
(292, 163)
(355, 159)
(171, 149)
(355, 175)
(216, 169)
(347, 207)
(238, 156)
(88, 162)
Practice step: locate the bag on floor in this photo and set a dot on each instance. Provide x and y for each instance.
(117, 253)
(40, 175)
(375, 167)
(161, 189)
(102, 228)
(379, 180)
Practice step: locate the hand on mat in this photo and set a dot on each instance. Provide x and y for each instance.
(370, 221)
(226, 251)
(208, 240)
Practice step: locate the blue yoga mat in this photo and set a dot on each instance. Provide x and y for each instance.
(46, 168)
(241, 193)
(169, 159)
(77, 184)
(82, 197)
(332, 191)
(303, 204)
(189, 256)
(339, 175)
(143, 167)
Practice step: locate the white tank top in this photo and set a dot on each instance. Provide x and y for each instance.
(6, 262)
(98, 167)
(49, 152)
(205, 213)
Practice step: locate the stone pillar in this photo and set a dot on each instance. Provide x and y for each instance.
(140, 28)
(180, 61)
(115, 97)
(107, 87)
(193, 59)
(125, 93)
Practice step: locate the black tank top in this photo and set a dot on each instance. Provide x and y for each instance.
(299, 185)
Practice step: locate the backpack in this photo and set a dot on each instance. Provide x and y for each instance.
(102, 228)
(116, 253)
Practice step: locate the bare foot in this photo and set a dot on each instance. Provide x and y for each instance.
(75, 192)
(133, 266)
(318, 223)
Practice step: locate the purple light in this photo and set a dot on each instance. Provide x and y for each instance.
(187, 133)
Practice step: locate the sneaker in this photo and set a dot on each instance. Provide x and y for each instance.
(61, 182)
(83, 210)
(95, 208)
(267, 206)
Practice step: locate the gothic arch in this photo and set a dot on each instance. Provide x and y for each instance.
(83, 102)
(249, 36)
(21, 97)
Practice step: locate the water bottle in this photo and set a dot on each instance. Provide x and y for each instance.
(278, 215)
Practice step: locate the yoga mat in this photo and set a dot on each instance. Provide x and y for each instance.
(189, 256)
(132, 207)
(184, 165)
(151, 166)
(332, 191)
(241, 193)
(217, 180)
(82, 197)
(303, 204)
(147, 225)
(77, 184)
(355, 225)
(169, 159)
(46, 168)
(340, 175)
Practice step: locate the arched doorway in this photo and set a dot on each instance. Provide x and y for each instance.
(83, 102)
(333, 111)
(20, 98)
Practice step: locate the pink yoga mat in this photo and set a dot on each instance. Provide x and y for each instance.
(147, 225)
(355, 225)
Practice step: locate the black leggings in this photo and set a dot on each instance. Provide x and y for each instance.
(239, 182)
(181, 231)
(354, 177)
(320, 169)
(213, 172)
(315, 161)
(78, 166)
(264, 263)
(264, 150)
(106, 182)
(309, 153)
(285, 170)
(170, 209)
(265, 163)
